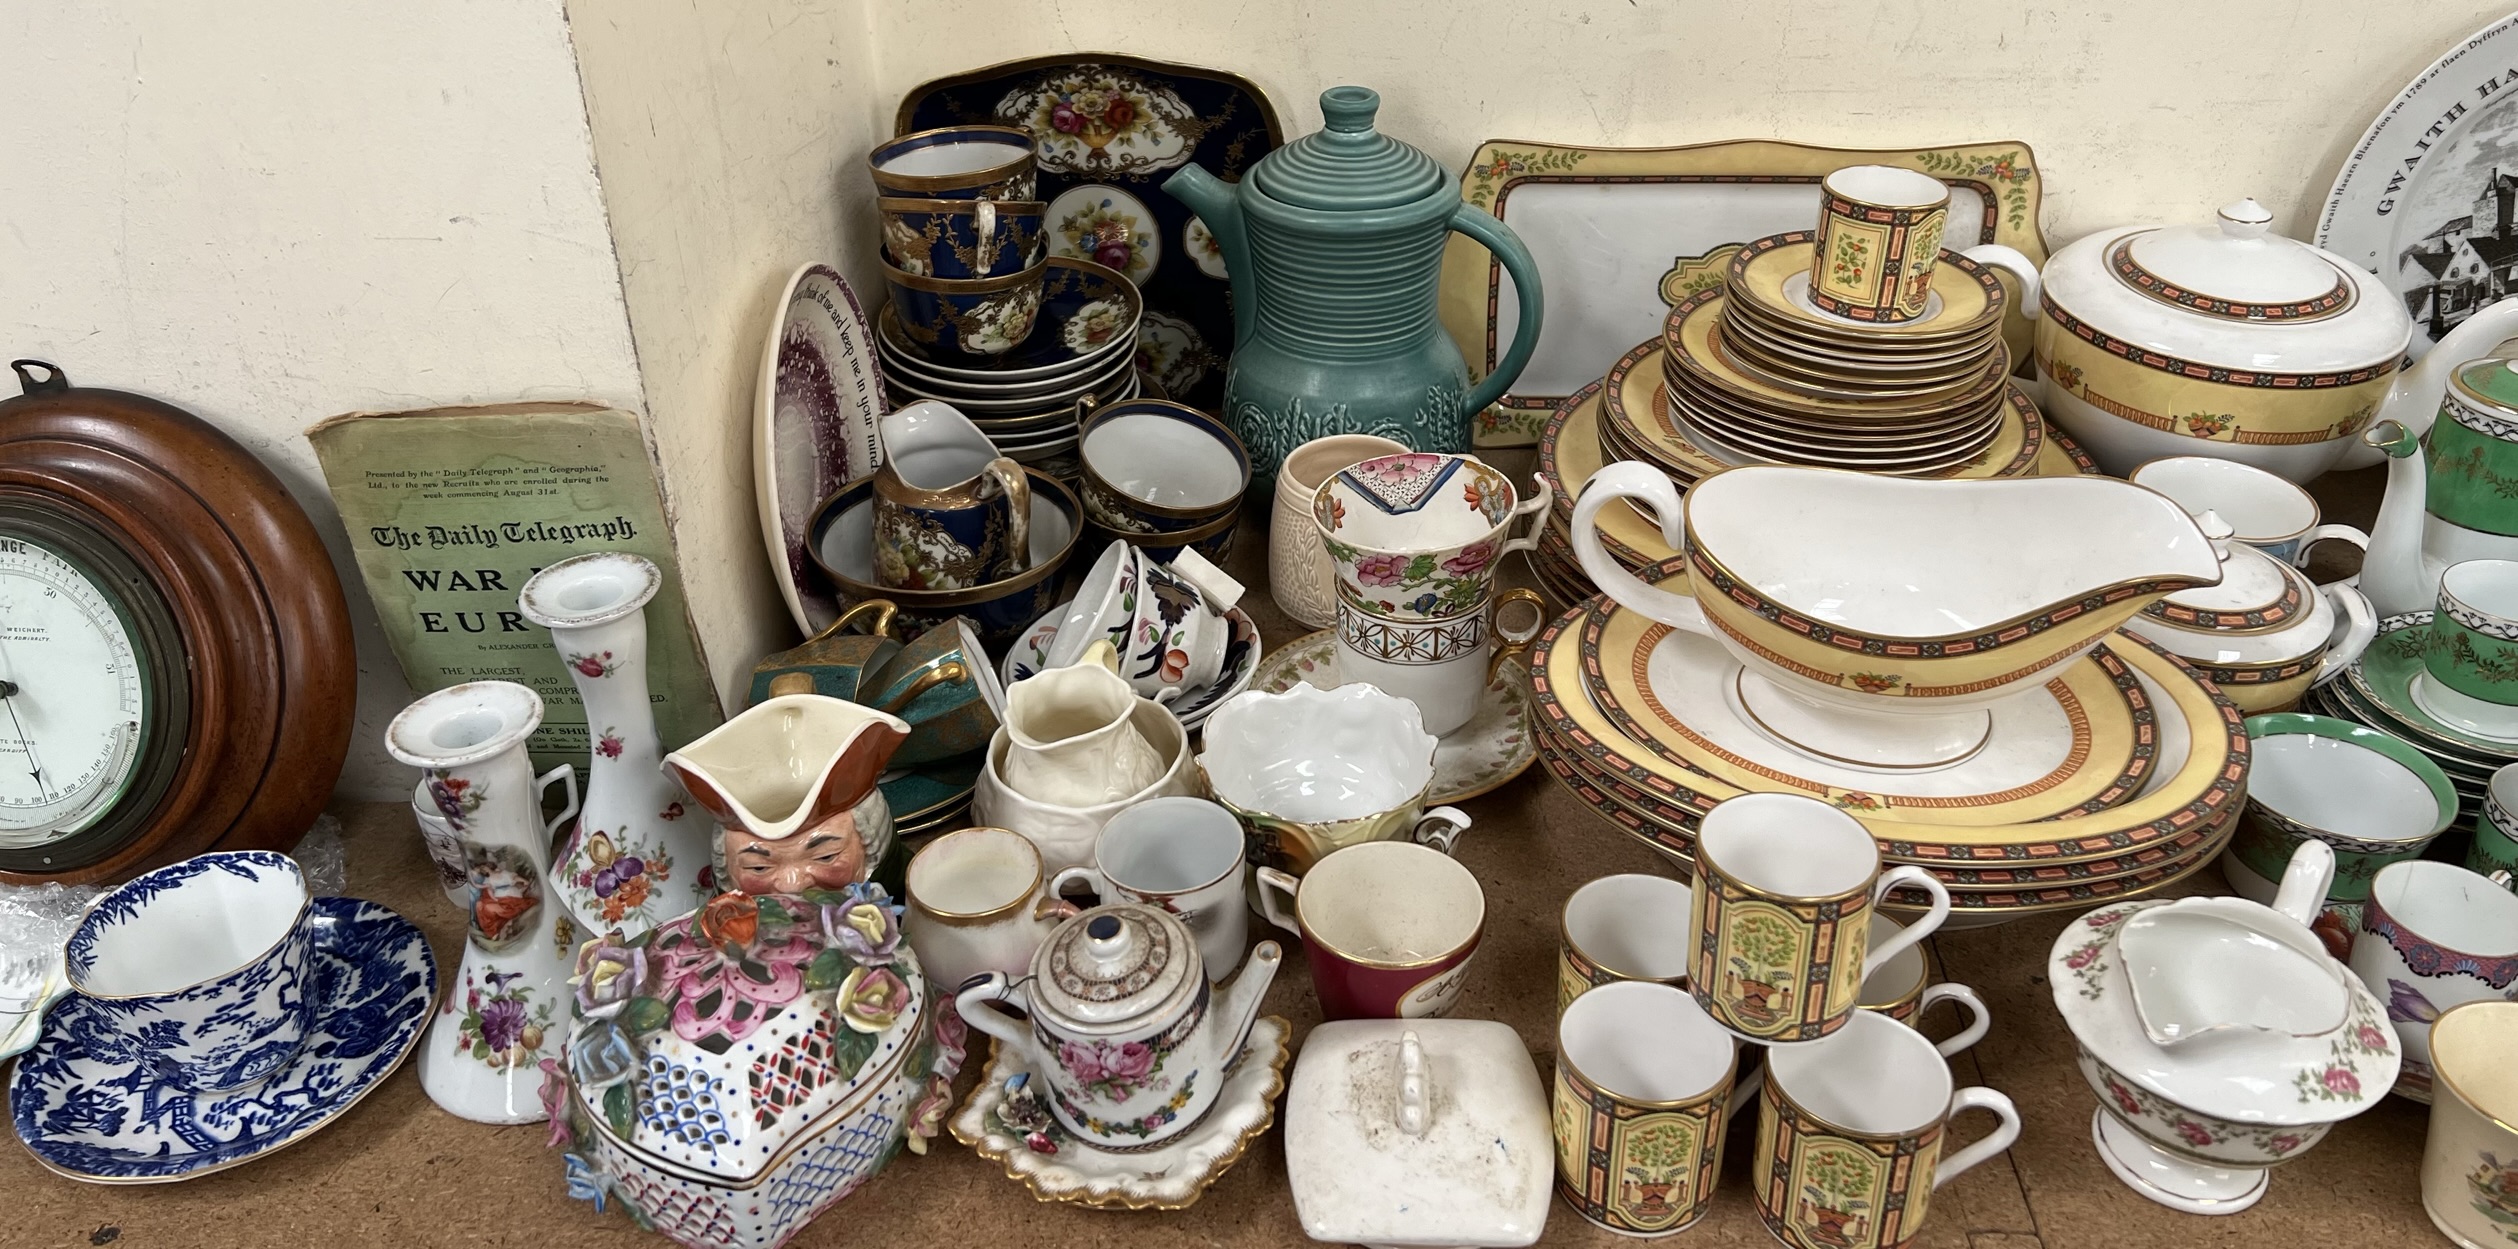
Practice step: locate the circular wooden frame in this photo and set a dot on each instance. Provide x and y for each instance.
(257, 609)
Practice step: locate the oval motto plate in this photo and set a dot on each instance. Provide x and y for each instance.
(813, 425)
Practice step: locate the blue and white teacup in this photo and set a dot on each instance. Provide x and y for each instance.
(202, 972)
(963, 238)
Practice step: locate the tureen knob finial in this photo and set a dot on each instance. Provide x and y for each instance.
(2216, 531)
(2246, 219)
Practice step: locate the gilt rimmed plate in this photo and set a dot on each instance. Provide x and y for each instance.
(1771, 279)
(2383, 678)
(1693, 334)
(814, 412)
(2202, 769)
(110, 1122)
(2403, 205)
(2083, 743)
(1086, 311)
(1480, 756)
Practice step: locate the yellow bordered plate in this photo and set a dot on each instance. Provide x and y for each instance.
(1638, 816)
(1972, 299)
(2084, 743)
(1977, 427)
(1824, 379)
(1907, 454)
(1693, 334)
(2210, 777)
(1569, 453)
(1886, 359)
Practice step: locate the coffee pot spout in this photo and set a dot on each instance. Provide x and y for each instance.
(2394, 573)
(1218, 205)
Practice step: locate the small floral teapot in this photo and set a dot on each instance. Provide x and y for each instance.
(738, 1070)
(1121, 1023)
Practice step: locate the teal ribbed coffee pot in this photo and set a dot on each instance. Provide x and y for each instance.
(1335, 246)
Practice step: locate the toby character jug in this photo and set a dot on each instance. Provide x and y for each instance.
(1335, 243)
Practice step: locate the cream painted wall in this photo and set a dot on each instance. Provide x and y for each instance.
(321, 208)
(731, 136)
(2138, 110)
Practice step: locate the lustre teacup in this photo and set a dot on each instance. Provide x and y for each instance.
(2469, 676)
(1388, 927)
(978, 902)
(2470, 1160)
(1781, 912)
(1879, 237)
(200, 971)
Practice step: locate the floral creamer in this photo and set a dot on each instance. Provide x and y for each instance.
(1133, 1042)
(737, 1071)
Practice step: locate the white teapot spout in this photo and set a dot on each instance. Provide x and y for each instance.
(2394, 573)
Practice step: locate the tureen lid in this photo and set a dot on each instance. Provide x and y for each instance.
(1112, 964)
(2235, 265)
(2228, 293)
(2259, 1074)
(1348, 165)
(2255, 592)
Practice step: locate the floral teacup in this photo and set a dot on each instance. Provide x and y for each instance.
(1418, 536)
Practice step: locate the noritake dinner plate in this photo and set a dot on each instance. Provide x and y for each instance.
(1637, 229)
(2078, 745)
(1569, 453)
(1085, 310)
(1966, 303)
(814, 412)
(1884, 360)
(2403, 204)
(110, 1122)
(2201, 762)
(1825, 379)
(1493, 747)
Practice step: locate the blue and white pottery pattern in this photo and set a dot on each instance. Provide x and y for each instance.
(93, 1118)
(223, 1033)
(1030, 653)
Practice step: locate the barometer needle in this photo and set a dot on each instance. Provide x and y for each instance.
(8, 692)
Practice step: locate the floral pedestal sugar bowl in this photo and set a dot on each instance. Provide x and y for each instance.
(2366, 795)
(737, 1071)
(1418, 1132)
(2221, 1038)
(2265, 634)
(2222, 338)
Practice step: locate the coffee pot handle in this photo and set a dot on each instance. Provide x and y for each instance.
(1275, 891)
(1018, 513)
(2360, 628)
(1979, 1098)
(1506, 246)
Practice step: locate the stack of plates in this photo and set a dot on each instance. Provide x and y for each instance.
(1755, 372)
(2120, 777)
(1081, 353)
(2378, 691)
(1583, 435)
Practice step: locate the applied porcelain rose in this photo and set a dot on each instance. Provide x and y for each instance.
(2223, 338)
(1877, 617)
(2220, 1036)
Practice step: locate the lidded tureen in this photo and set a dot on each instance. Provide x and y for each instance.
(2220, 1036)
(1123, 1024)
(2265, 634)
(736, 1071)
(2224, 338)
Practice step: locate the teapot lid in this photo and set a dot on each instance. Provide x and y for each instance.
(1112, 964)
(2235, 267)
(1348, 165)
(2491, 381)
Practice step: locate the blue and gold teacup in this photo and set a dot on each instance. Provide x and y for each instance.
(963, 238)
(1154, 467)
(966, 316)
(957, 162)
(201, 972)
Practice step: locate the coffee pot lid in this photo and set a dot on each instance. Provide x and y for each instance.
(1114, 963)
(2492, 381)
(1347, 165)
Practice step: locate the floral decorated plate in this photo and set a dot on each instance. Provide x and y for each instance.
(1480, 756)
(1107, 130)
(112, 1123)
(813, 418)
(1030, 653)
(1086, 310)
(1007, 1121)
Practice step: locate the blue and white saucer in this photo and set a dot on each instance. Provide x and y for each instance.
(114, 1123)
(1030, 653)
